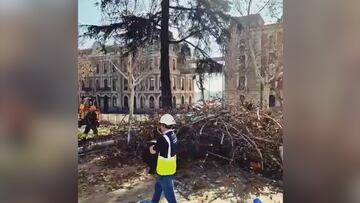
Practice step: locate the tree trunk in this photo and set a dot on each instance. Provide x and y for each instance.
(131, 100)
(266, 94)
(202, 89)
(279, 97)
(164, 64)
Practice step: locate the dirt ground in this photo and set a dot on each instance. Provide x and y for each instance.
(109, 178)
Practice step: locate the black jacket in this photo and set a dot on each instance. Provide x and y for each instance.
(91, 119)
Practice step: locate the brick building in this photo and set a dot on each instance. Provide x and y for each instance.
(241, 80)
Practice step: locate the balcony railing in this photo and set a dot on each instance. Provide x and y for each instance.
(103, 89)
(87, 89)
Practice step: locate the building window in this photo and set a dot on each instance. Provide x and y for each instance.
(152, 83)
(134, 103)
(97, 84)
(125, 84)
(105, 68)
(114, 102)
(182, 100)
(190, 100)
(106, 84)
(174, 64)
(272, 101)
(126, 102)
(151, 64)
(174, 102)
(90, 83)
(152, 102)
(190, 84)
(160, 102)
(182, 82)
(114, 84)
(242, 62)
(174, 83)
(143, 86)
(241, 82)
(142, 102)
(113, 69)
(159, 83)
(82, 84)
(272, 58)
(242, 49)
(271, 42)
(97, 68)
(242, 99)
(241, 43)
(156, 62)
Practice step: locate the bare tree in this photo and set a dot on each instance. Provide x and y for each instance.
(136, 71)
(271, 71)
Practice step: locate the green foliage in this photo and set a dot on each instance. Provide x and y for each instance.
(133, 23)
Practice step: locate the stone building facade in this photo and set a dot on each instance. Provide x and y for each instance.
(110, 90)
(241, 81)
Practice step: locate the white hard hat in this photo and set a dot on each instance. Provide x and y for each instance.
(167, 119)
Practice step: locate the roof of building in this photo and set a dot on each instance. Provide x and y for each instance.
(255, 20)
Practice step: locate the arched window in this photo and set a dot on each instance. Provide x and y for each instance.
(182, 82)
(182, 100)
(174, 102)
(190, 100)
(126, 102)
(114, 101)
(160, 102)
(272, 101)
(152, 102)
(152, 83)
(142, 102)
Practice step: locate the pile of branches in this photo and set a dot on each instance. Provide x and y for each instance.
(235, 135)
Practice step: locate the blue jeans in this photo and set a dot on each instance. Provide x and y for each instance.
(164, 183)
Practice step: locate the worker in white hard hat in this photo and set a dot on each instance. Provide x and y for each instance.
(165, 147)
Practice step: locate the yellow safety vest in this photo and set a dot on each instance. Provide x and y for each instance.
(166, 166)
